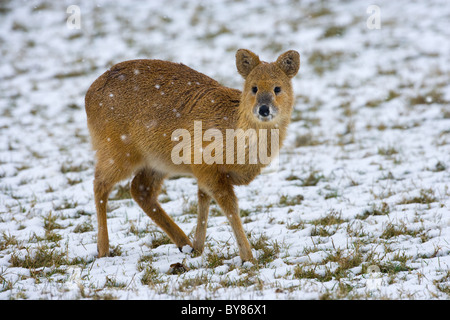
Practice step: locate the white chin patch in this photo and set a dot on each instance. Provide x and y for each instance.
(265, 119)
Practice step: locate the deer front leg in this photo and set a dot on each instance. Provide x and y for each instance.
(204, 201)
(225, 197)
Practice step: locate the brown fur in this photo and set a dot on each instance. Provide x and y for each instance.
(132, 110)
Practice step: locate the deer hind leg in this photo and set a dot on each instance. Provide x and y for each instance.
(145, 189)
(105, 179)
(204, 201)
(101, 192)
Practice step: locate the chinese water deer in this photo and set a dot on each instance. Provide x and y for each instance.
(134, 108)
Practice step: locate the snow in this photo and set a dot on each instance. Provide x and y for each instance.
(368, 146)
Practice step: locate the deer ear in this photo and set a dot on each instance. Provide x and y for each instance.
(289, 62)
(246, 61)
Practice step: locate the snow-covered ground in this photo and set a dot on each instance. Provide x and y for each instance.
(363, 181)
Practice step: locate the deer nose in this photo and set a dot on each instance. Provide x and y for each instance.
(264, 110)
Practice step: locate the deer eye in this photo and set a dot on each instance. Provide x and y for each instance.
(254, 89)
(277, 90)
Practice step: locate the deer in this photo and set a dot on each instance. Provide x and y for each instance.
(134, 107)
